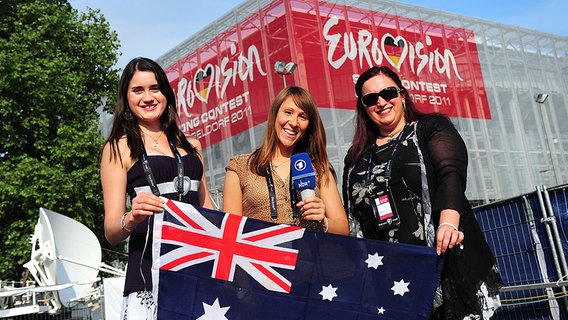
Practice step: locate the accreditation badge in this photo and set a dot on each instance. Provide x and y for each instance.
(384, 209)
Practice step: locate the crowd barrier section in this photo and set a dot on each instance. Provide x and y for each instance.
(529, 237)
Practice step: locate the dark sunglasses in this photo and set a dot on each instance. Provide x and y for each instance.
(387, 94)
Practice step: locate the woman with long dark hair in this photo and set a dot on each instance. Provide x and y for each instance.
(144, 157)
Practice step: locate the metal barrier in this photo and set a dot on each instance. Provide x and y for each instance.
(528, 235)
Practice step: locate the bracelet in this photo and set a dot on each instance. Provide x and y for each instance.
(325, 225)
(122, 226)
(448, 224)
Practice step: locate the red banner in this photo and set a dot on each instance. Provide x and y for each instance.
(225, 87)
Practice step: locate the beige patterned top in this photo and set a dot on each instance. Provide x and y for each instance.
(256, 201)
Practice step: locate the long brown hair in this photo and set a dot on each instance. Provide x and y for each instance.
(125, 123)
(313, 141)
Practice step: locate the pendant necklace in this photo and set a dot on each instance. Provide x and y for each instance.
(392, 136)
(156, 145)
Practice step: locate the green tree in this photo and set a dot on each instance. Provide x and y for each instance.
(56, 70)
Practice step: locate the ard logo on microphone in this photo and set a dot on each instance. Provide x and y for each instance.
(300, 165)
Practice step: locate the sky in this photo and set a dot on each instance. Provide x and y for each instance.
(152, 28)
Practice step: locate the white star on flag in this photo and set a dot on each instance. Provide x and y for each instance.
(328, 293)
(214, 311)
(374, 261)
(400, 287)
(381, 310)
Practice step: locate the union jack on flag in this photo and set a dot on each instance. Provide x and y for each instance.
(213, 265)
(228, 246)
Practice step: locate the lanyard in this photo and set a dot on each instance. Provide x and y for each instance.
(389, 163)
(150, 175)
(272, 196)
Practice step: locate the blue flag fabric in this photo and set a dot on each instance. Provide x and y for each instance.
(213, 265)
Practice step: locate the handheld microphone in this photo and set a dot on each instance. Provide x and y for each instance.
(303, 175)
(304, 178)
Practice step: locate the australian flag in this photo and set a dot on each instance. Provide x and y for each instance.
(213, 265)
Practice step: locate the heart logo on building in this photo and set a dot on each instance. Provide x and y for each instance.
(202, 87)
(394, 49)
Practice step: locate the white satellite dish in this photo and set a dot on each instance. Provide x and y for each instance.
(64, 251)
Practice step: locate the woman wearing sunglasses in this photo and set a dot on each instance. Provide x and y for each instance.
(404, 181)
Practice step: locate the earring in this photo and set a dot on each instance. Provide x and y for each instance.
(127, 114)
(404, 106)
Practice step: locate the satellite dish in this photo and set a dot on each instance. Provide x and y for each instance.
(64, 251)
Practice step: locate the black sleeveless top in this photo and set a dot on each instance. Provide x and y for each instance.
(164, 168)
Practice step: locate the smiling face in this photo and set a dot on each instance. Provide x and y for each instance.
(291, 124)
(145, 99)
(388, 115)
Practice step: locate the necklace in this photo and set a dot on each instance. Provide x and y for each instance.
(392, 136)
(276, 165)
(156, 144)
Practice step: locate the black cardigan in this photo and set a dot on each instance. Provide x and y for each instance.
(445, 158)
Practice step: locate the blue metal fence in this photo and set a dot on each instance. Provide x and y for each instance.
(528, 235)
